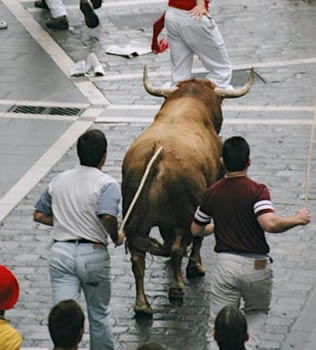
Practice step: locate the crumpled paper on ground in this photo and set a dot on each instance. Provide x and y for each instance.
(130, 50)
(91, 67)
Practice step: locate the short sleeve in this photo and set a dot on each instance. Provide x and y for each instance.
(263, 202)
(44, 204)
(203, 214)
(109, 200)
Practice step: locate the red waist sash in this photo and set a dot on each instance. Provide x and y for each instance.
(185, 4)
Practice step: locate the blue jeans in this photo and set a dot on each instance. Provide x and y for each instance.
(76, 266)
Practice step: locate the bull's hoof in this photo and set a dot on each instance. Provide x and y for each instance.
(194, 270)
(176, 296)
(143, 311)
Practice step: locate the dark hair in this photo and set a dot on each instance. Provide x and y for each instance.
(151, 346)
(65, 321)
(235, 153)
(231, 329)
(91, 147)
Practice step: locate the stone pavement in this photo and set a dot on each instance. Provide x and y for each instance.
(277, 117)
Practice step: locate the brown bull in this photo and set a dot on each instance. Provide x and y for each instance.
(187, 127)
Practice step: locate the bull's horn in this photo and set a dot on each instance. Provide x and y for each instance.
(155, 91)
(233, 93)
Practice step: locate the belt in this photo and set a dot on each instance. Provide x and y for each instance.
(81, 240)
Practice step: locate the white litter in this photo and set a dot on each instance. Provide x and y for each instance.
(133, 49)
(87, 68)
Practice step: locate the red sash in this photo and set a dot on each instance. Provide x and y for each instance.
(185, 4)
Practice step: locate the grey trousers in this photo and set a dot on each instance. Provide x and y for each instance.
(187, 37)
(236, 279)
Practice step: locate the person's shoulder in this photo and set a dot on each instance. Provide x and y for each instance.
(106, 182)
(216, 184)
(106, 178)
(255, 184)
(64, 173)
(8, 331)
(259, 190)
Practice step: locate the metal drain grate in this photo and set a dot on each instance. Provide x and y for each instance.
(65, 111)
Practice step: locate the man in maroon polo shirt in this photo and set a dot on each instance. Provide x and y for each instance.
(239, 211)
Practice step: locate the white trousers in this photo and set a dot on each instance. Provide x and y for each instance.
(236, 279)
(56, 7)
(187, 37)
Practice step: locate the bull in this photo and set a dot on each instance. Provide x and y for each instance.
(187, 128)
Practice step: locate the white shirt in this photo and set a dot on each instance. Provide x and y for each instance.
(77, 198)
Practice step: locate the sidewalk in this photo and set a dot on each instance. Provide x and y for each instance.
(35, 94)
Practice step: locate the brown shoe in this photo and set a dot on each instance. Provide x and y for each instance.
(91, 19)
(60, 23)
(96, 3)
(41, 4)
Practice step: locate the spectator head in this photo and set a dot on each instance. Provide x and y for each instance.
(151, 346)
(66, 324)
(9, 289)
(235, 154)
(230, 330)
(91, 148)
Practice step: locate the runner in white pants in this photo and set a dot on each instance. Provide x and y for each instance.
(194, 32)
(58, 12)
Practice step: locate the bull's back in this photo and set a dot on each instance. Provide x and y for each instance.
(187, 164)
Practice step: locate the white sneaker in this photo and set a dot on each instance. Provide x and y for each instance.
(3, 25)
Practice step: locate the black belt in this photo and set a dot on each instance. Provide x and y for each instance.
(81, 240)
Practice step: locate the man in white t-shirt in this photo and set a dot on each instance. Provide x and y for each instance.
(82, 205)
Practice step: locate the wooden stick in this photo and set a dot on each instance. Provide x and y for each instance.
(140, 187)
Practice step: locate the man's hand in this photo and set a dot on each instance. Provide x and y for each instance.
(43, 218)
(303, 215)
(120, 238)
(199, 10)
(202, 231)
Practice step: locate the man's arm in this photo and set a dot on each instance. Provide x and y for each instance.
(43, 218)
(43, 209)
(273, 223)
(110, 224)
(202, 231)
(107, 210)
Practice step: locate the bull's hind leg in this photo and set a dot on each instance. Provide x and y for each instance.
(176, 291)
(142, 307)
(195, 267)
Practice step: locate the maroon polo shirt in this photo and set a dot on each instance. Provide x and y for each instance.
(234, 203)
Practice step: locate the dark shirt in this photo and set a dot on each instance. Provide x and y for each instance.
(234, 203)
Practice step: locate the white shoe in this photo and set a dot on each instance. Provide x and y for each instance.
(3, 25)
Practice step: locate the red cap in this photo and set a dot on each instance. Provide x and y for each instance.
(9, 289)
